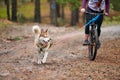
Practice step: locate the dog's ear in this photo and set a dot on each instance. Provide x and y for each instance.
(46, 30)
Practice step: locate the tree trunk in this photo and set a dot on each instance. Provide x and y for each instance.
(53, 14)
(58, 9)
(7, 3)
(62, 12)
(37, 15)
(74, 17)
(32, 0)
(14, 10)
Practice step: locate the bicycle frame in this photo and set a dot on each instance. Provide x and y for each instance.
(92, 29)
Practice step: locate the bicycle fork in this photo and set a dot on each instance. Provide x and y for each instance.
(93, 33)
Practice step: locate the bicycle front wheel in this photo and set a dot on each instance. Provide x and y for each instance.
(93, 38)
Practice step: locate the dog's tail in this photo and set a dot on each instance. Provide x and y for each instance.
(36, 29)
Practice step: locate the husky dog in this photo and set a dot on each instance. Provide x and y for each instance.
(42, 43)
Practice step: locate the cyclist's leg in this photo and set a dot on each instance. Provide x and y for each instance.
(99, 23)
(86, 42)
(88, 18)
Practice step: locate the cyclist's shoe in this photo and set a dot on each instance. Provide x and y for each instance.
(98, 44)
(85, 42)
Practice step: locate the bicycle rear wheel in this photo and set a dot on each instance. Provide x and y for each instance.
(93, 38)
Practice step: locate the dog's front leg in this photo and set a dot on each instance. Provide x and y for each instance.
(38, 57)
(45, 57)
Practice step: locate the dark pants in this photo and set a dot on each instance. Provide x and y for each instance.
(98, 22)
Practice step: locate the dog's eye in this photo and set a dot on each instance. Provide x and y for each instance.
(44, 40)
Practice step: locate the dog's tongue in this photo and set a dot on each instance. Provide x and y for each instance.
(46, 43)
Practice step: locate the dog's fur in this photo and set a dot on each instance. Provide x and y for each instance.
(42, 43)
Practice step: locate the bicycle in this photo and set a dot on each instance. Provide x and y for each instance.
(93, 36)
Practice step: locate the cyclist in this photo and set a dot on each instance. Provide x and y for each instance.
(94, 6)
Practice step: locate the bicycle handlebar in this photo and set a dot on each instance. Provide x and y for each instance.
(95, 13)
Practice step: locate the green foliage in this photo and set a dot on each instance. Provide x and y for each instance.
(16, 38)
(74, 4)
(63, 2)
(107, 20)
(112, 20)
(116, 18)
(115, 4)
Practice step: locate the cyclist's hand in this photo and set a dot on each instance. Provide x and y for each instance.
(106, 14)
(82, 10)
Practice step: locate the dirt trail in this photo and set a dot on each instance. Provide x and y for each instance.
(67, 60)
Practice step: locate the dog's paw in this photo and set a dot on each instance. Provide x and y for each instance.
(39, 62)
(43, 61)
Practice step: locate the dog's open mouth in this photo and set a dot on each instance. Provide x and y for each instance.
(46, 43)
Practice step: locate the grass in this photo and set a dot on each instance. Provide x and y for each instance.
(115, 20)
(27, 10)
(16, 38)
(3, 12)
